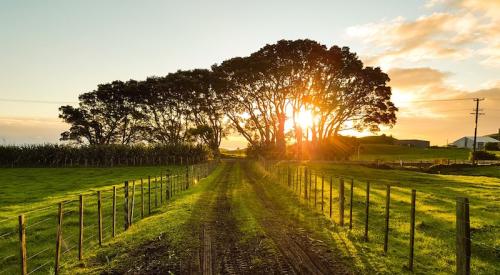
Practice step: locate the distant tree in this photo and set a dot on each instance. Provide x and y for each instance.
(165, 110)
(104, 116)
(182, 107)
(199, 91)
(382, 139)
(492, 146)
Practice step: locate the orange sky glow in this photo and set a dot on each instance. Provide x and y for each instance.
(439, 54)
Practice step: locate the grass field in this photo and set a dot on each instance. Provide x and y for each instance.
(171, 224)
(486, 171)
(435, 222)
(395, 152)
(170, 241)
(36, 192)
(248, 189)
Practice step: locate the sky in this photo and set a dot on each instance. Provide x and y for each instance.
(52, 51)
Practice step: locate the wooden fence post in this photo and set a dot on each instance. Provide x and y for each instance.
(322, 193)
(131, 219)
(22, 245)
(310, 187)
(412, 228)
(367, 209)
(80, 236)
(149, 195)
(299, 178)
(387, 207)
(125, 206)
(99, 217)
(175, 180)
(161, 188)
(167, 186)
(341, 202)
(305, 182)
(350, 203)
(113, 214)
(463, 250)
(156, 193)
(315, 190)
(289, 179)
(142, 199)
(331, 187)
(169, 183)
(187, 178)
(58, 238)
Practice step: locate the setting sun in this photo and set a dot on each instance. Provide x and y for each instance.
(305, 119)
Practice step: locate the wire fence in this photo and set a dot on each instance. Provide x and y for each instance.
(48, 239)
(421, 231)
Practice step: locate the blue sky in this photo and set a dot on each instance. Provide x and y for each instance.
(56, 50)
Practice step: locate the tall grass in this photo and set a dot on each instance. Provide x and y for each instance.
(55, 155)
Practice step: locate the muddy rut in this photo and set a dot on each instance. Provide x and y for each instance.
(282, 248)
(294, 251)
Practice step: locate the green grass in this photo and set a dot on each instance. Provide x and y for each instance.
(172, 224)
(435, 222)
(384, 152)
(36, 192)
(497, 153)
(486, 171)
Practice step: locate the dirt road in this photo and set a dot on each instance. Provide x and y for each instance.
(240, 229)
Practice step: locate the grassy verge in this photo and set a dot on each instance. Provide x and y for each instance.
(486, 171)
(36, 192)
(172, 227)
(435, 225)
(384, 152)
(24, 189)
(296, 213)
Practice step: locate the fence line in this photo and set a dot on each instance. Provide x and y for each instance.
(300, 180)
(73, 235)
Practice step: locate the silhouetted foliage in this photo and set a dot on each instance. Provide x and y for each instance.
(303, 75)
(492, 146)
(382, 139)
(254, 95)
(482, 155)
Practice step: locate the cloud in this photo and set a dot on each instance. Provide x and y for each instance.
(412, 77)
(419, 92)
(422, 95)
(465, 29)
(21, 130)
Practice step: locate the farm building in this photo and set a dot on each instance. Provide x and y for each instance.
(417, 143)
(467, 142)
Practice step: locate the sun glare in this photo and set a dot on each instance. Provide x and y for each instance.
(305, 119)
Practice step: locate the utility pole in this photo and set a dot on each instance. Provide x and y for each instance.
(476, 113)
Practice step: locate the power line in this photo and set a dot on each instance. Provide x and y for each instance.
(449, 99)
(36, 101)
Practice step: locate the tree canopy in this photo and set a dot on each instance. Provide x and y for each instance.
(261, 96)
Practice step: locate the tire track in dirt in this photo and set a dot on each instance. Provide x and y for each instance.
(223, 255)
(298, 253)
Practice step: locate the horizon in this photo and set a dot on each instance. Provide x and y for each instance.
(432, 51)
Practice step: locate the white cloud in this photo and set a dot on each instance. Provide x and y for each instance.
(466, 29)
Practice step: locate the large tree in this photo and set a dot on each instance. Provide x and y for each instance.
(258, 95)
(346, 95)
(200, 89)
(280, 80)
(104, 116)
